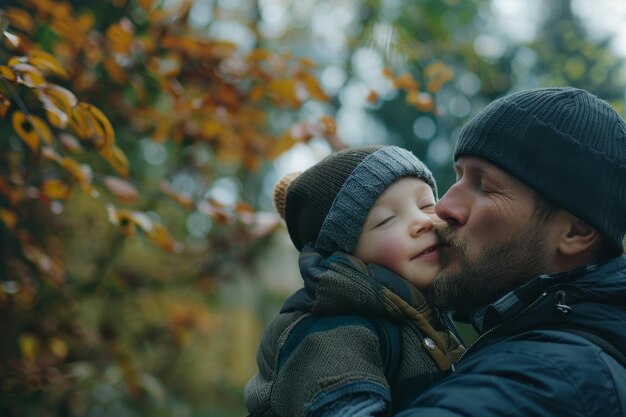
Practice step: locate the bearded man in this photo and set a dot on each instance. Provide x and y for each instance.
(532, 253)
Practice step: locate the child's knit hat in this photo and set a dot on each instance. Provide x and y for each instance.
(327, 204)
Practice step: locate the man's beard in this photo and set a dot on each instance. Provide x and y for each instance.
(493, 272)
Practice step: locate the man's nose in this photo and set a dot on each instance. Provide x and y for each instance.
(453, 207)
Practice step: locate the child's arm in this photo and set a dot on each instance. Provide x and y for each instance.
(323, 366)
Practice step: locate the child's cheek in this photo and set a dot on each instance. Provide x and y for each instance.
(390, 250)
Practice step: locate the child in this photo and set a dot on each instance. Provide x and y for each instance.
(347, 337)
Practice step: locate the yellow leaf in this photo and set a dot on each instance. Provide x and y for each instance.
(30, 128)
(123, 190)
(58, 347)
(41, 129)
(29, 75)
(109, 134)
(47, 62)
(76, 170)
(55, 189)
(7, 73)
(56, 117)
(8, 217)
(83, 123)
(29, 346)
(63, 98)
(118, 160)
(314, 88)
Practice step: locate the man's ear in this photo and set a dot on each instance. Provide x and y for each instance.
(576, 235)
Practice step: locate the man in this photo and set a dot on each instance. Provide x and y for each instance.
(532, 252)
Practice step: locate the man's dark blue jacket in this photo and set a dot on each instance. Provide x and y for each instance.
(524, 364)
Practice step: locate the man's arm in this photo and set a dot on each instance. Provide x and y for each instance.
(531, 378)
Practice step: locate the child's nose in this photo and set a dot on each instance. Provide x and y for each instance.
(420, 224)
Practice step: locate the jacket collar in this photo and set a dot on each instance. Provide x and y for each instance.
(592, 278)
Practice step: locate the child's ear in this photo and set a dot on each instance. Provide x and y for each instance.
(576, 235)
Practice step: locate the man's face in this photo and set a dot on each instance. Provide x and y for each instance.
(492, 238)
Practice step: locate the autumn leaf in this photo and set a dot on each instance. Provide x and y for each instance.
(55, 189)
(31, 129)
(116, 157)
(5, 104)
(372, 97)
(47, 63)
(20, 19)
(103, 126)
(123, 190)
(28, 75)
(61, 97)
(8, 217)
(184, 200)
(8, 73)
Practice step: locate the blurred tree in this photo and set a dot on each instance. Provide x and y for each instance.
(128, 113)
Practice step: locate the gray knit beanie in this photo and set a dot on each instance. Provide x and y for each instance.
(327, 204)
(565, 143)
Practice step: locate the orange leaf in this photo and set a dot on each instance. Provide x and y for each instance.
(47, 62)
(314, 88)
(117, 158)
(184, 200)
(5, 104)
(55, 189)
(20, 19)
(161, 236)
(115, 71)
(388, 73)
(8, 217)
(372, 97)
(123, 190)
(307, 63)
(285, 142)
(329, 125)
(406, 81)
(422, 101)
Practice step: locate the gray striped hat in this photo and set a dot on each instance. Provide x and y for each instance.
(327, 204)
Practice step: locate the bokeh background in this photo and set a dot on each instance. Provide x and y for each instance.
(140, 141)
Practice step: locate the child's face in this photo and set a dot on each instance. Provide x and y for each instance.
(398, 232)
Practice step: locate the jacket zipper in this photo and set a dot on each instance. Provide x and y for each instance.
(488, 332)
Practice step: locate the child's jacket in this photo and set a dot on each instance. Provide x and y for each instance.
(349, 333)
